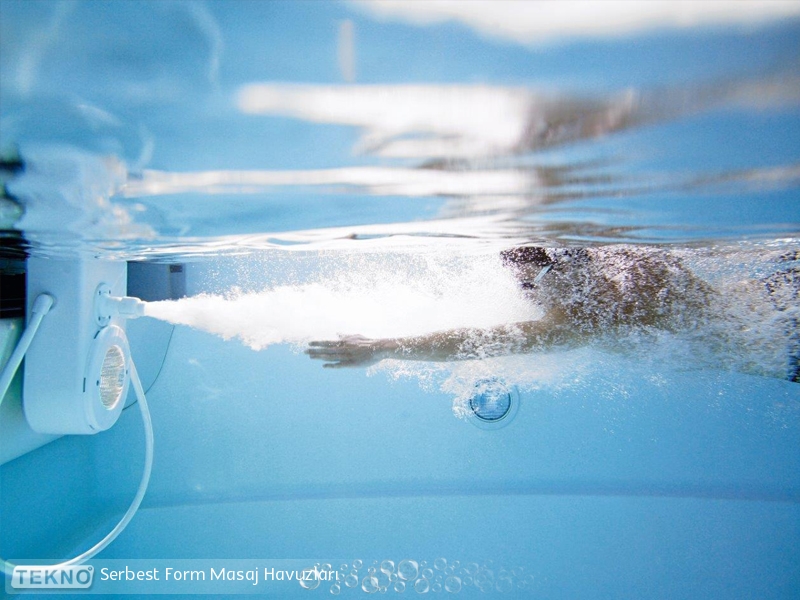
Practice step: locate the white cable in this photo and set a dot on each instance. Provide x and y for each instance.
(8, 568)
(41, 306)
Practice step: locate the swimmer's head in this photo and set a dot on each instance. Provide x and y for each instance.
(526, 255)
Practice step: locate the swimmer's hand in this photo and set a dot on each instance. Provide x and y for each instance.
(350, 351)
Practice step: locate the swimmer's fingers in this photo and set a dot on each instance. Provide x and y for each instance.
(341, 364)
(343, 342)
(348, 351)
(348, 356)
(317, 351)
(325, 343)
(330, 356)
(343, 350)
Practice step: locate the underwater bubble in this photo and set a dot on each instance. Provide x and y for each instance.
(450, 570)
(354, 572)
(467, 581)
(472, 568)
(351, 581)
(357, 564)
(326, 567)
(387, 566)
(517, 571)
(436, 587)
(343, 567)
(423, 563)
(392, 577)
(336, 589)
(440, 564)
(384, 589)
(310, 584)
(421, 586)
(488, 564)
(455, 564)
(371, 571)
(452, 585)
(370, 584)
(504, 584)
(408, 569)
(399, 587)
(427, 573)
(383, 580)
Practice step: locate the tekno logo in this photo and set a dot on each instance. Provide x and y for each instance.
(51, 577)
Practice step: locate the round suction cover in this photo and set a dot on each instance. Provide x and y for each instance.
(494, 403)
(107, 377)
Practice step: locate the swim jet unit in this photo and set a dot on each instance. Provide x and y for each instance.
(77, 370)
(78, 364)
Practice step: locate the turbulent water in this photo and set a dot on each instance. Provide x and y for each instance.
(388, 295)
(740, 324)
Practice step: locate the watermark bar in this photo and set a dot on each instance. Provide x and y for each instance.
(181, 576)
(271, 578)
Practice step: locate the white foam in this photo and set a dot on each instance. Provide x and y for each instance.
(399, 296)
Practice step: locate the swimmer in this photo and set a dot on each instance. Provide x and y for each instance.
(584, 293)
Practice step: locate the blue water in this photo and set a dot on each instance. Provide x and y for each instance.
(662, 469)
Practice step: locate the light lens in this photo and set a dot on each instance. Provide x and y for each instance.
(112, 377)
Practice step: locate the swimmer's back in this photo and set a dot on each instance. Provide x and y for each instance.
(608, 286)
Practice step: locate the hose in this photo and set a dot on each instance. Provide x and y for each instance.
(41, 306)
(8, 568)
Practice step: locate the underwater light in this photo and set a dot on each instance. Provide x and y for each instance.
(494, 404)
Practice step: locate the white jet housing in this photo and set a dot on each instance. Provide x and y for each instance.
(77, 370)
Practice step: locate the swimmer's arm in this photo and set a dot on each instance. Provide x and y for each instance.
(455, 344)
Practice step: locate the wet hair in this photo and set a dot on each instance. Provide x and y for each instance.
(526, 255)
